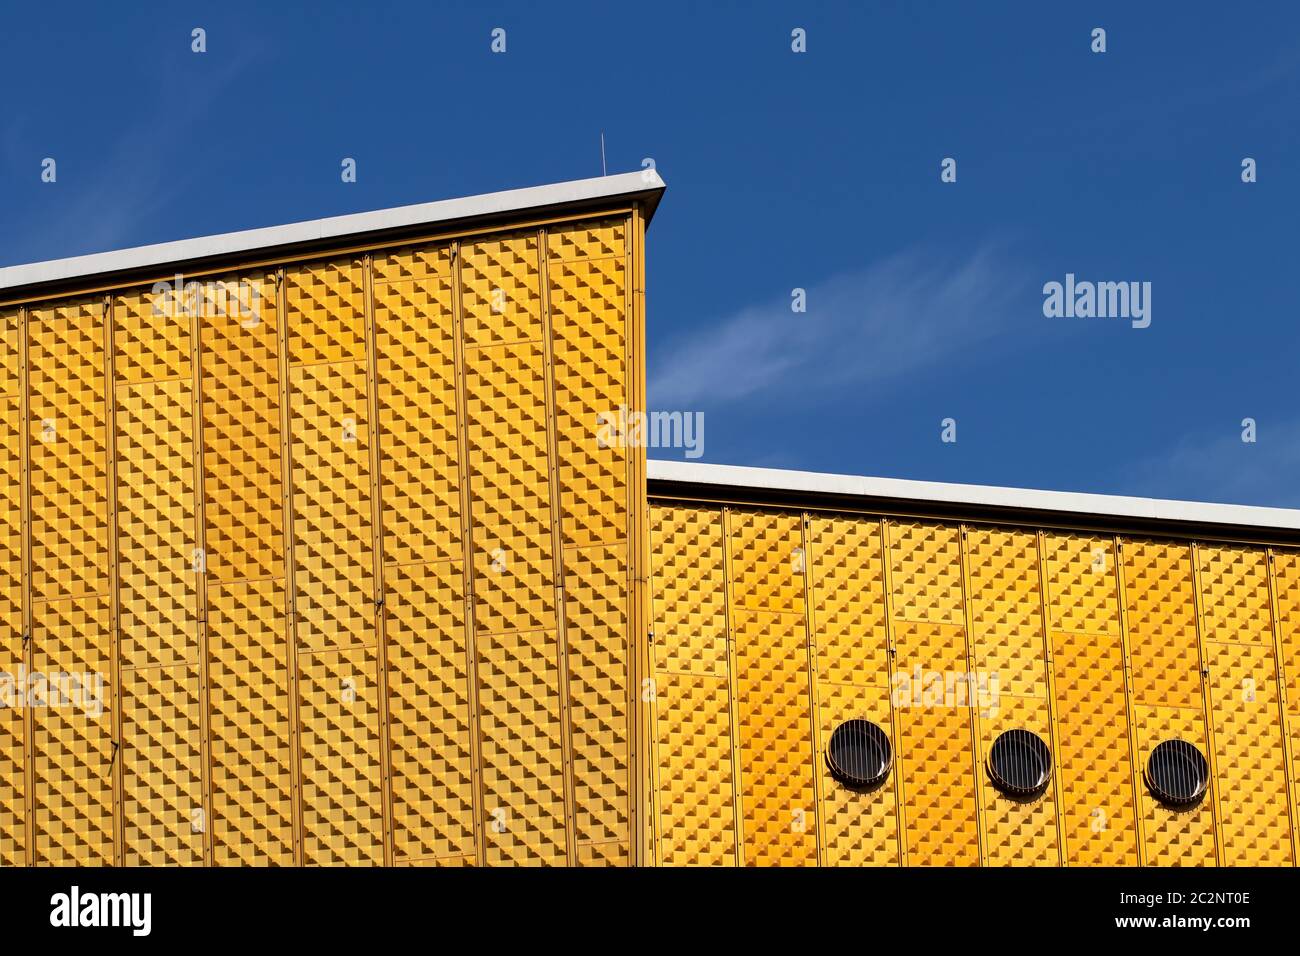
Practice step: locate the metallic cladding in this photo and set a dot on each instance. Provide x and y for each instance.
(364, 586)
(773, 625)
(358, 577)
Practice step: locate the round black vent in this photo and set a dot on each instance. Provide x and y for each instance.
(859, 754)
(1020, 764)
(1177, 774)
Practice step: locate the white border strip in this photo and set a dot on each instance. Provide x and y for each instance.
(1111, 506)
(336, 227)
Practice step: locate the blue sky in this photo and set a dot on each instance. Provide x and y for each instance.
(817, 170)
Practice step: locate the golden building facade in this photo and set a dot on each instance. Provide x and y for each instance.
(324, 533)
(312, 552)
(772, 625)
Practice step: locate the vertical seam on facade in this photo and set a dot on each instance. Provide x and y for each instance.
(29, 639)
(1279, 666)
(467, 559)
(814, 709)
(379, 599)
(1049, 667)
(290, 594)
(652, 800)
(972, 694)
(114, 578)
(556, 499)
(1202, 708)
(201, 584)
(635, 634)
(1139, 825)
(639, 455)
(1207, 704)
(900, 796)
(641, 713)
(733, 704)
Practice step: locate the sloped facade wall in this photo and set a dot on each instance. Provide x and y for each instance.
(354, 572)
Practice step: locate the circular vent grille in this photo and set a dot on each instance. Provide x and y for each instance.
(1020, 764)
(1177, 774)
(859, 754)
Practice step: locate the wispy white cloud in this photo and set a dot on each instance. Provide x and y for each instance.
(1223, 468)
(861, 329)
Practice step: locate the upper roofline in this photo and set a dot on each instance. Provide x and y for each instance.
(488, 208)
(1024, 505)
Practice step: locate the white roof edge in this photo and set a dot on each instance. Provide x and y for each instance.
(1110, 506)
(334, 227)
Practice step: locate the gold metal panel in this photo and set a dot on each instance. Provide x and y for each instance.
(847, 593)
(1286, 582)
(248, 671)
(415, 381)
(326, 306)
(767, 561)
(519, 700)
(514, 580)
(1249, 759)
(689, 594)
(342, 797)
(1006, 611)
(1172, 837)
(72, 747)
(1017, 832)
(243, 491)
(696, 791)
(776, 749)
(933, 713)
(163, 819)
(514, 567)
(925, 573)
(1081, 589)
(1234, 595)
(596, 633)
(935, 649)
(333, 545)
(428, 711)
(11, 524)
(151, 335)
(860, 828)
(1160, 595)
(1011, 692)
(11, 348)
(500, 286)
(1095, 766)
(13, 748)
(13, 692)
(159, 571)
(412, 262)
(69, 454)
(595, 238)
(506, 412)
(1286, 589)
(588, 323)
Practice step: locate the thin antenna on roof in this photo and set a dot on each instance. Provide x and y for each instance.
(602, 154)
